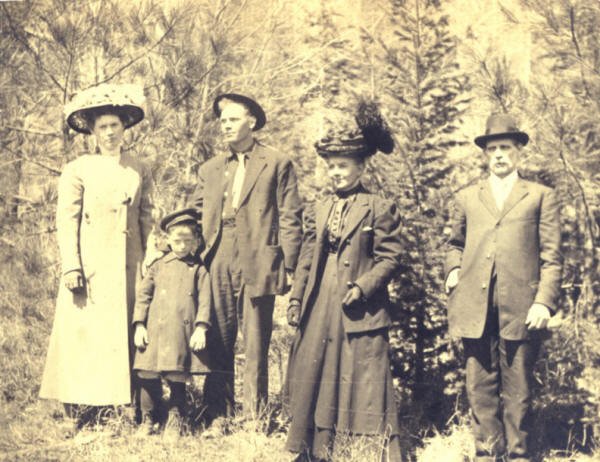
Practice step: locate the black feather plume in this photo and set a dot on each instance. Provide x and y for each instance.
(376, 131)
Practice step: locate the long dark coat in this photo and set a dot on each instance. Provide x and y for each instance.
(522, 242)
(173, 298)
(268, 220)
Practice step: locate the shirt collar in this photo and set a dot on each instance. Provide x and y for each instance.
(233, 154)
(507, 182)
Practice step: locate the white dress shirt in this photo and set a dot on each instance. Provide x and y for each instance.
(501, 187)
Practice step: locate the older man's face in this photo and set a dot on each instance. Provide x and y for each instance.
(503, 155)
(236, 122)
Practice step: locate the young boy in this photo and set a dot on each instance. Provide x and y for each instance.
(171, 317)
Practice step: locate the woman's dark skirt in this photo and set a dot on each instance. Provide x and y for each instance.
(338, 381)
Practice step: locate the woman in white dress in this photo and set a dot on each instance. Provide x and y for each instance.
(103, 219)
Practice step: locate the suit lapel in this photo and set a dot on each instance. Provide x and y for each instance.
(487, 198)
(357, 212)
(323, 212)
(257, 161)
(518, 192)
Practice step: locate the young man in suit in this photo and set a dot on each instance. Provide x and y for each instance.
(252, 227)
(503, 278)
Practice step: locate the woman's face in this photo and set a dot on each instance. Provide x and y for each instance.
(108, 130)
(344, 171)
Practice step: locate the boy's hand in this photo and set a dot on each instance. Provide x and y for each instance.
(140, 337)
(293, 313)
(73, 280)
(198, 339)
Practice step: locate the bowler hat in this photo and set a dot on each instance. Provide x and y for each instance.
(501, 126)
(255, 109)
(124, 100)
(178, 217)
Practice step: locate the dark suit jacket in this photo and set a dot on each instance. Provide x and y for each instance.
(368, 255)
(268, 220)
(523, 243)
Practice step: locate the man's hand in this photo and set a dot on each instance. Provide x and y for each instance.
(537, 317)
(452, 280)
(140, 336)
(198, 339)
(293, 313)
(74, 280)
(353, 295)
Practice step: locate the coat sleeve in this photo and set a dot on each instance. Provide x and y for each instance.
(458, 234)
(290, 214)
(144, 295)
(305, 258)
(550, 254)
(387, 247)
(205, 299)
(68, 217)
(146, 206)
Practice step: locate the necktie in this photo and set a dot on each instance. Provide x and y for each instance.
(238, 180)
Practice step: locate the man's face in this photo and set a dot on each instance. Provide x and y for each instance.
(236, 122)
(344, 171)
(108, 130)
(503, 155)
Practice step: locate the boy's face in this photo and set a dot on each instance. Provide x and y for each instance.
(182, 240)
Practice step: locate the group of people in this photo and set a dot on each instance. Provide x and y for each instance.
(120, 332)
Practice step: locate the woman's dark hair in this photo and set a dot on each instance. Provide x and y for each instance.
(91, 115)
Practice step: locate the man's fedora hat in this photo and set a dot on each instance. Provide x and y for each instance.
(501, 126)
(255, 109)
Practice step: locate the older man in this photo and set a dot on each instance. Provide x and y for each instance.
(252, 228)
(503, 276)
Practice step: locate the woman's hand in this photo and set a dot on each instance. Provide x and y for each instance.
(353, 295)
(74, 280)
(198, 339)
(140, 337)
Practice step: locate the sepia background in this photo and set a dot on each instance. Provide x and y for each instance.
(437, 68)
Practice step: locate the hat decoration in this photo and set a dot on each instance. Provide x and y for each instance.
(361, 137)
(255, 109)
(501, 126)
(179, 217)
(126, 100)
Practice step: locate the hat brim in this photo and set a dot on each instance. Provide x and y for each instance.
(188, 215)
(131, 114)
(255, 109)
(520, 137)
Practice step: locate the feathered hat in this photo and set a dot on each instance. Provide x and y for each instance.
(361, 137)
(125, 100)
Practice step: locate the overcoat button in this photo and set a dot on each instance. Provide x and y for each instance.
(186, 322)
(484, 286)
(346, 263)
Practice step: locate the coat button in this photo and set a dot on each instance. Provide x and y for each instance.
(346, 263)
(186, 322)
(489, 255)
(225, 194)
(484, 286)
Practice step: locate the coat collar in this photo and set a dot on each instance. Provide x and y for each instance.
(518, 192)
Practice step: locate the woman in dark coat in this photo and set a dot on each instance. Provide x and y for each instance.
(339, 378)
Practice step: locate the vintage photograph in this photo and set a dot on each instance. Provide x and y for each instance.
(300, 231)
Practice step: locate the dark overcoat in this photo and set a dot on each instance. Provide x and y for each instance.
(368, 255)
(521, 243)
(268, 219)
(173, 298)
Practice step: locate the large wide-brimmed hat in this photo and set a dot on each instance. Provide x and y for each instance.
(501, 126)
(255, 109)
(125, 100)
(179, 217)
(360, 136)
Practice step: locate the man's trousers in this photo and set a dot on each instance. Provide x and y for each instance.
(233, 307)
(499, 376)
